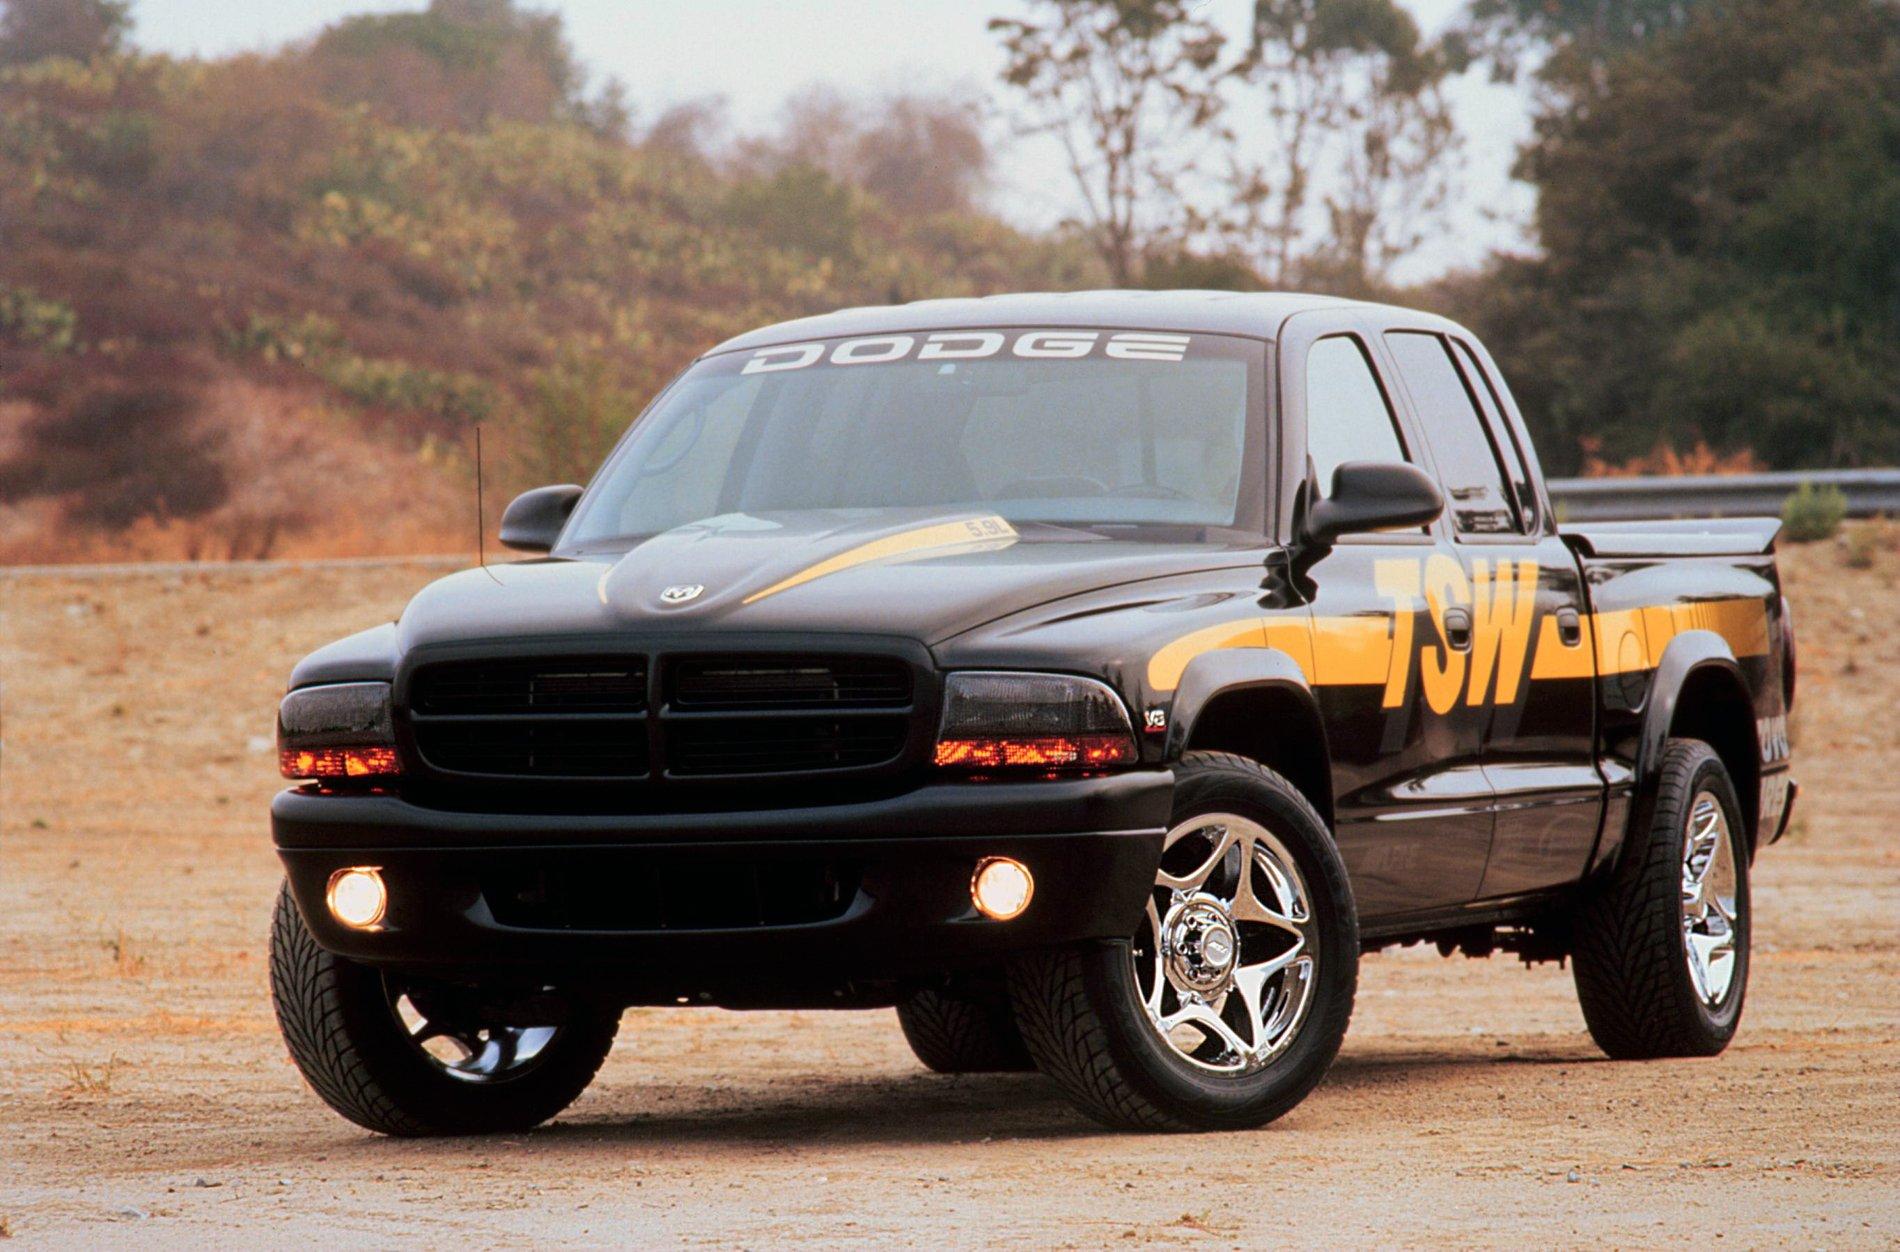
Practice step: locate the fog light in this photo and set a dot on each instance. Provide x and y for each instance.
(1001, 888)
(357, 897)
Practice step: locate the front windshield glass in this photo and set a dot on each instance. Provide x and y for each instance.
(1082, 428)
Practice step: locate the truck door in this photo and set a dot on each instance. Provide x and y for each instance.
(1411, 800)
(1530, 665)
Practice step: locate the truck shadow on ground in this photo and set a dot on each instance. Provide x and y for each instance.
(933, 1109)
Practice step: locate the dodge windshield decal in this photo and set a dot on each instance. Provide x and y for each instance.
(972, 345)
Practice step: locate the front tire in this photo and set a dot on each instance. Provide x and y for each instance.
(1661, 949)
(1228, 1005)
(409, 1056)
(964, 1027)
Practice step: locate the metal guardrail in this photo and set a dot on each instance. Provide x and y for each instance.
(1869, 493)
(170, 568)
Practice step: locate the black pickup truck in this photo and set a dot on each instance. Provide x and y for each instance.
(1092, 677)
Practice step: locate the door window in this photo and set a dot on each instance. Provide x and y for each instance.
(1479, 380)
(1468, 462)
(1347, 416)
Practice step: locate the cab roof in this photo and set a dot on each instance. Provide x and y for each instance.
(1258, 314)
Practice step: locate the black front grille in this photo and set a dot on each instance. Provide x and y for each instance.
(721, 716)
(537, 748)
(584, 684)
(782, 745)
(638, 891)
(774, 682)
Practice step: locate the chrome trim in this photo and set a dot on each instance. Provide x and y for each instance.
(1226, 957)
(1710, 903)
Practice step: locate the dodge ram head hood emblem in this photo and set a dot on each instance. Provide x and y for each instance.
(681, 594)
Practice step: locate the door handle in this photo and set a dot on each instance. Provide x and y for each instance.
(1458, 629)
(1569, 627)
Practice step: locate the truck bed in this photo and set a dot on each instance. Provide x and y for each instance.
(1714, 536)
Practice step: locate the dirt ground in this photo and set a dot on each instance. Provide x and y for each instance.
(145, 1096)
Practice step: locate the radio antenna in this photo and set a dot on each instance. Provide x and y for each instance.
(481, 512)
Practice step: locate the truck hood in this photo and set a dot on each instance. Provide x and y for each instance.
(922, 574)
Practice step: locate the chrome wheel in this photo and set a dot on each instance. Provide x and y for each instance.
(449, 1036)
(1226, 955)
(1709, 909)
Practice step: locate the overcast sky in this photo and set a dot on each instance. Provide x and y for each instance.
(756, 52)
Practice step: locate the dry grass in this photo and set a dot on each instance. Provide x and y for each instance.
(88, 1081)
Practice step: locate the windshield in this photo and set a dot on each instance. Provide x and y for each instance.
(1073, 427)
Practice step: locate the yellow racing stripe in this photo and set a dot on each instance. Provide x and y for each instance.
(1291, 635)
(1366, 650)
(972, 534)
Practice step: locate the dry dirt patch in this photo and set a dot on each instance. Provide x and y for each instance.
(146, 1096)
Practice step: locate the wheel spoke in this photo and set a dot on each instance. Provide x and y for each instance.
(449, 1034)
(1202, 1017)
(1197, 877)
(1155, 958)
(1263, 970)
(1251, 985)
(1705, 842)
(1719, 906)
(1287, 911)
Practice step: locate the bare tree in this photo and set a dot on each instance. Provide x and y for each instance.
(32, 30)
(917, 154)
(1360, 149)
(925, 154)
(692, 128)
(1130, 88)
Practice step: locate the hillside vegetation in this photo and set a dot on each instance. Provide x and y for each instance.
(257, 305)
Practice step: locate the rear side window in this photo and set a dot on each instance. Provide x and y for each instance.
(1502, 435)
(1481, 503)
(1347, 417)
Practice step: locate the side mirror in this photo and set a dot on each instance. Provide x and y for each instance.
(1373, 495)
(533, 520)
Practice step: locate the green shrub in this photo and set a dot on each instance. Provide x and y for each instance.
(36, 321)
(387, 384)
(800, 208)
(1813, 513)
(303, 338)
(574, 412)
(315, 342)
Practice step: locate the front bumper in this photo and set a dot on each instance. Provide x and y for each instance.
(901, 869)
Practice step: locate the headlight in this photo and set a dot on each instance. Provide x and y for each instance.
(1032, 721)
(336, 732)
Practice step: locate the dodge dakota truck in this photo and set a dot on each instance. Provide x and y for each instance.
(1091, 677)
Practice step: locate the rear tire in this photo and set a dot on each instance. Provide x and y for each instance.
(1661, 953)
(964, 1028)
(344, 1026)
(1247, 1046)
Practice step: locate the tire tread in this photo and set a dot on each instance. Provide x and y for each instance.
(1627, 943)
(309, 992)
(957, 1032)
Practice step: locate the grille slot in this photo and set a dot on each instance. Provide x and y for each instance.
(539, 748)
(653, 891)
(782, 745)
(774, 682)
(584, 684)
